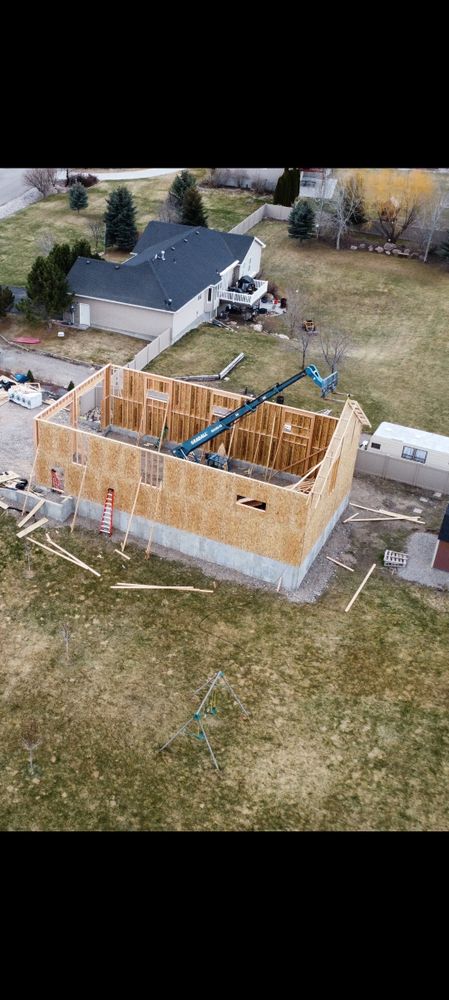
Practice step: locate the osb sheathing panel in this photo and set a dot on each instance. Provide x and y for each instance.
(342, 449)
(258, 437)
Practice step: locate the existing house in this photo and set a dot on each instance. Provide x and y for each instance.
(316, 182)
(174, 280)
(407, 455)
(255, 525)
(441, 555)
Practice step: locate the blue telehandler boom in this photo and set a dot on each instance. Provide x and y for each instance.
(326, 385)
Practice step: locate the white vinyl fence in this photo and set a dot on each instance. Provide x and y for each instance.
(150, 351)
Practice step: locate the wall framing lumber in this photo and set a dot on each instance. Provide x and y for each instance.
(364, 581)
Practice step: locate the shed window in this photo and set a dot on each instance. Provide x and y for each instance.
(375, 445)
(414, 454)
(209, 295)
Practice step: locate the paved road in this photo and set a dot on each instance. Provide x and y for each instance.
(44, 369)
(12, 184)
(131, 175)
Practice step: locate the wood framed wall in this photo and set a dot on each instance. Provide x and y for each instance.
(193, 497)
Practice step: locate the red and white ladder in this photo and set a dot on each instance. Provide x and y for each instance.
(106, 517)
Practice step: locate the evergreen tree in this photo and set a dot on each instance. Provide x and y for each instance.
(443, 249)
(287, 187)
(47, 287)
(6, 300)
(62, 256)
(301, 220)
(78, 197)
(354, 200)
(182, 183)
(193, 213)
(120, 219)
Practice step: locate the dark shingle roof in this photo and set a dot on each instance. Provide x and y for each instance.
(193, 259)
(444, 530)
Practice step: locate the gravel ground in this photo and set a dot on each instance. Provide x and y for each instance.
(17, 438)
(45, 369)
(420, 550)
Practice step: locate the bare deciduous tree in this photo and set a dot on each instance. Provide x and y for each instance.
(344, 206)
(335, 345)
(294, 318)
(41, 178)
(46, 242)
(320, 199)
(429, 218)
(169, 211)
(98, 230)
(30, 741)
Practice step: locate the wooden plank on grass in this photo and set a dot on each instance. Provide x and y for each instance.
(361, 587)
(3, 505)
(33, 511)
(32, 527)
(337, 563)
(61, 556)
(120, 553)
(67, 553)
(155, 586)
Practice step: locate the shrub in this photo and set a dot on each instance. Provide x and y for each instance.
(30, 376)
(87, 180)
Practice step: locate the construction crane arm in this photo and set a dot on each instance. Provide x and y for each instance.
(327, 384)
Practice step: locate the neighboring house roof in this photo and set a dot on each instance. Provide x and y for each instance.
(444, 530)
(413, 437)
(193, 260)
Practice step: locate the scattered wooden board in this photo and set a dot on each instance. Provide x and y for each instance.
(389, 513)
(32, 527)
(361, 587)
(9, 476)
(155, 586)
(120, 553)
(337, 563)
(60, 555)
(74, 558)
(33, 511)
(3, 505)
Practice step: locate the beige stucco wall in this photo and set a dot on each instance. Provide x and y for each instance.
(145, 323)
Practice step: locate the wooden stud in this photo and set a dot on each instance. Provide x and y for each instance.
(155, 586)
(78, 498)
(30, 480)
(389, 513)
(32, 527)
(9, 477)
(294, 486)
(270, 445)
(69, 559)
(33, 511)
(72, 556)
(361, 587)
(120, 553)
(131, 515)
(337, 563)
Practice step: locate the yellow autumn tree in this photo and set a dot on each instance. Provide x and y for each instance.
(396, 198)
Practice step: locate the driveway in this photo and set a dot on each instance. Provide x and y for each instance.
(130, 175)
(12, 184)
(54, 370)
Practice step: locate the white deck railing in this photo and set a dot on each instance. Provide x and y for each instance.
(242, 298)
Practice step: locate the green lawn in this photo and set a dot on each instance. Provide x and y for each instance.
(348, 729)
(20, 234)
(396, 311)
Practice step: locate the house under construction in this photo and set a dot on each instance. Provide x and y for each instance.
(266, 517)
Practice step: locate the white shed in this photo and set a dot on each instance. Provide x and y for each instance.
(411, 445)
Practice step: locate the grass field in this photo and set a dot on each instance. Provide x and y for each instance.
(98, 347)
(348, 729)
(20, 234)
(396, 311)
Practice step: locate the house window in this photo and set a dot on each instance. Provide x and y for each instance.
(209, 295)
(249, 502)
(414, 454)
(375, 445)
